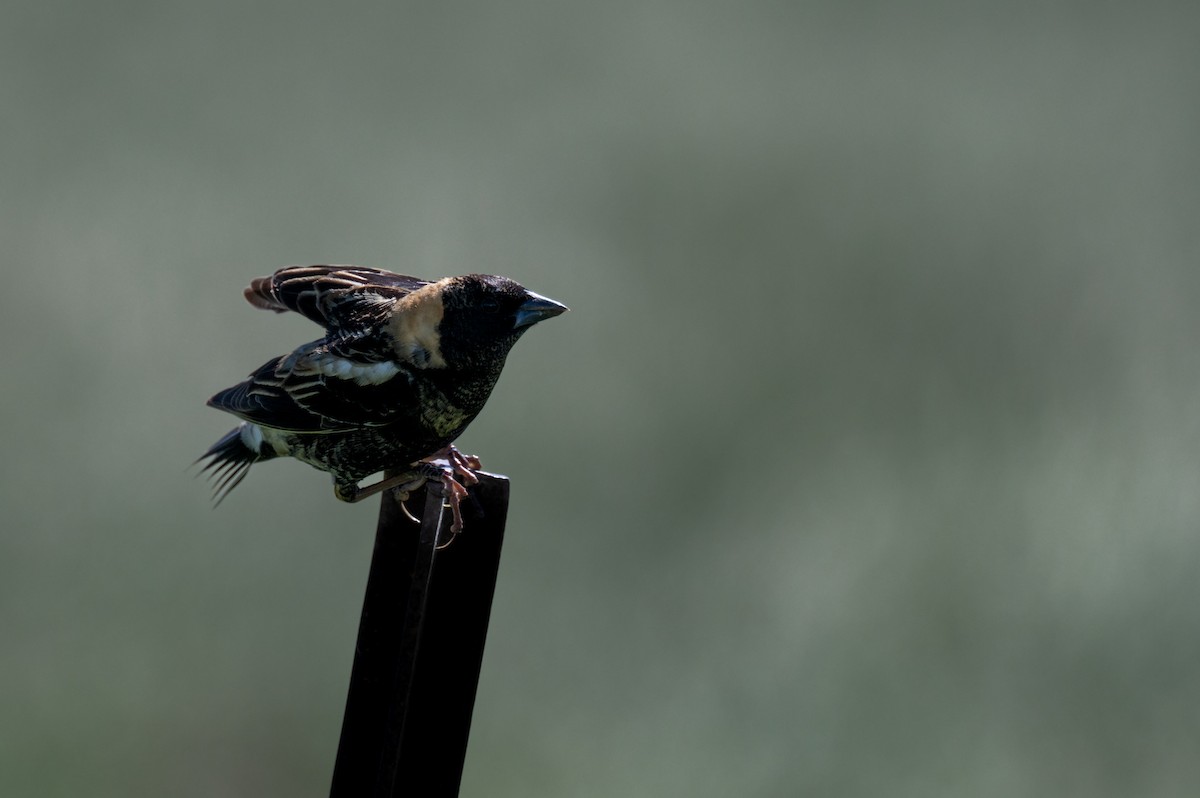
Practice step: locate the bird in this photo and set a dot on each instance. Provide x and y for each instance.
(404, 366)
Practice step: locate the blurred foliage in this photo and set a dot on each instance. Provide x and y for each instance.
(865, 463)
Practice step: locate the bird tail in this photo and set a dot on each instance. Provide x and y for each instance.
(230, 458)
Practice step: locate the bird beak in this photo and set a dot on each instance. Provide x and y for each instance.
(537, 308)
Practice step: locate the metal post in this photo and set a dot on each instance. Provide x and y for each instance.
(420, 646)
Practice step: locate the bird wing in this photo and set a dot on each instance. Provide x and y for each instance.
(315, 389)
(330, 295)
(352, 303)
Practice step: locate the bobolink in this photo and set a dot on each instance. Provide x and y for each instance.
(405, 365)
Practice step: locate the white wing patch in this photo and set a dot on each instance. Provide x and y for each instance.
(361, 373)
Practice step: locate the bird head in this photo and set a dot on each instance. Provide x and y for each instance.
(484, 315)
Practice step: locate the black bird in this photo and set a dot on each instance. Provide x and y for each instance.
(405, 365)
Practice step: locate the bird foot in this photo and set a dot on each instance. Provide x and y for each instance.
(461, 465)
(453, 470)
(457, 473)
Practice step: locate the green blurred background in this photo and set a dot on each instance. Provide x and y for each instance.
(865, 463)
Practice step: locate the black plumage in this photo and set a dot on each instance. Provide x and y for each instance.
(404, 366)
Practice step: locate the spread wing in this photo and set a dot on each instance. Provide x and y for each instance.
(352, 303)
(316, 389)
(322, 293)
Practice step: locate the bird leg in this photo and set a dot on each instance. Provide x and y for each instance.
(405, 482)
(459, 468)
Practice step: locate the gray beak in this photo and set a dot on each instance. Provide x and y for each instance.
(537, 308)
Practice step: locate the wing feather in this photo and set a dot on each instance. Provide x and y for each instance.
(315, 389)
(329, 295)
(349, 379)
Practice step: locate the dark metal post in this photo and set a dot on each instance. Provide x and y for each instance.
(420, 647)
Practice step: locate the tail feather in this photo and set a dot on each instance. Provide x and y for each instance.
(229, 459)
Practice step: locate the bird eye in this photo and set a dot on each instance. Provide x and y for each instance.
(489, 304)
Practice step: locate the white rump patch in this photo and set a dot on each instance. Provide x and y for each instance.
(361, 373)
(251, 436)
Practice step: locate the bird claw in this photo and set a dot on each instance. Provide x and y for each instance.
(458, 473)
(402, 499)
(454, 476)
(453, 493)
(461, 465)
(404, 491)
